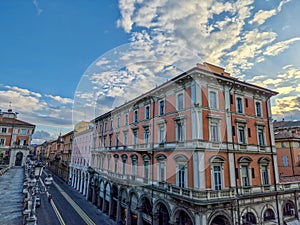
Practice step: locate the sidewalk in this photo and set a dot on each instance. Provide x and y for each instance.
(11, 196)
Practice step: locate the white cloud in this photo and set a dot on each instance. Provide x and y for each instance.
(60, 99)
(261, 16)
(279, 47)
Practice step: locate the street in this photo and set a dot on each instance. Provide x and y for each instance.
(69, 206)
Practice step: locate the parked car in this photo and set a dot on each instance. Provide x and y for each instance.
(37, 201)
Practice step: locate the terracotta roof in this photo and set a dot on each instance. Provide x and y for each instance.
(286, 124)
(13, 121)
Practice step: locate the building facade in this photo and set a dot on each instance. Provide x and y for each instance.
(15, 139)
(81, 157)
(196, 150)
(287, 138)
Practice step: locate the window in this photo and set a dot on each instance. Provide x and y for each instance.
(117, 141)
(135, 137)
(245, 176)
(162, 171)
(104, 141)
(269, 215)
(162, 134)
(135, 116)
(147, 136)
(180, 132)
(161, 107)
(180, 101)
(181, 176)
(105, 126)
(242, 136)
(283, 145)
(126, 120)
(265, 175)
(124, 159)
(147, 112)
(289, 209)
(146, 169)
(23, 131)
(3, 130)
(239, 105)
(213, 103)
(116, 165)
(214, 132)
(118, 121)
(285, 160)
(258, 109)
(134, 167)
(261, 138)
(2, 141)
(108, 162)
(110, 140)
(125, 142)
(181, 170)
(217, 176)
(111, 125)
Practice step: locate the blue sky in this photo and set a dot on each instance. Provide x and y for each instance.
(53, 50)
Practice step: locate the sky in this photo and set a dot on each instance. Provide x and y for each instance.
(64, 61)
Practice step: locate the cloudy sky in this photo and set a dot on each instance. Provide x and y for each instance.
(62, 60)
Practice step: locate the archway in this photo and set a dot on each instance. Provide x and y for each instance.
(146, 209)
(182, 218)
(19, 158)
(163, 215)
(220, 220)
(249, 218)
(288, 208)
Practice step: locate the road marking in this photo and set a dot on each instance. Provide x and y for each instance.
(80, 212)
(61, 221)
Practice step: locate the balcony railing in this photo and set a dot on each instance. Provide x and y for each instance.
(193, 194)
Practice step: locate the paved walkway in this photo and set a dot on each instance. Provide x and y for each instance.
(11, 196)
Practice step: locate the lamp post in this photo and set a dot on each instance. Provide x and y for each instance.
(32, 188)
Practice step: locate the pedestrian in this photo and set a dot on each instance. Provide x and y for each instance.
(49, 197)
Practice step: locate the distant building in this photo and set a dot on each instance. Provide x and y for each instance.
(287, 138)
(81, 156)
(15, 139)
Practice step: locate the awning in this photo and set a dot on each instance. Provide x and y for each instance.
(294, 222)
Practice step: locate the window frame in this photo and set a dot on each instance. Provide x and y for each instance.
(258, 110)
(239, 104)
(178, 105)
(162, 110)
(213, 101)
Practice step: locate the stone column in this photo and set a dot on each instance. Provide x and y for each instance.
(140, 216)
(84, 184)
(118, 210)
(128, 214)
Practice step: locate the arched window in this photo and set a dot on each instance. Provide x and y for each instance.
(269, 215)
(249, 218)
(289, 209)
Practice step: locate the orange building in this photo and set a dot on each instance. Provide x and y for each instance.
(15, 139)
(196, 150)
(287, 138)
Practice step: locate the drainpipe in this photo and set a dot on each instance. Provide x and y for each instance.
(273, 163)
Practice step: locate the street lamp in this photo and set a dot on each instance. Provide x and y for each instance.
(32, 188)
